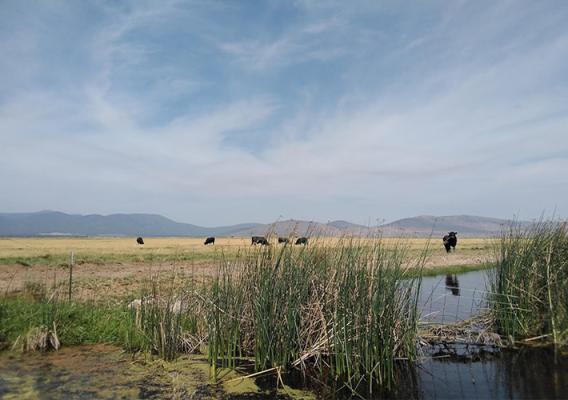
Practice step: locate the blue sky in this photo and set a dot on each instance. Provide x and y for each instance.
(217, 112)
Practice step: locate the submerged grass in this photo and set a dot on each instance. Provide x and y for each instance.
(530, 283)
(349, 310)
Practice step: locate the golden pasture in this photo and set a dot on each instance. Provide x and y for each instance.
(114, 266)
(184, 248)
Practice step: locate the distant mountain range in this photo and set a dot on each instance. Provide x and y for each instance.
(53, 223)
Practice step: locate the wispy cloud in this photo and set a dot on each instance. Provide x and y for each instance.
(222, 112)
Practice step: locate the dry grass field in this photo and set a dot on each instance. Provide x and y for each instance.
(116, 266)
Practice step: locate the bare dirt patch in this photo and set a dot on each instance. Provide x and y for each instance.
(93, 281)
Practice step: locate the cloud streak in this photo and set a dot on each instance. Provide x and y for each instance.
(219, 113)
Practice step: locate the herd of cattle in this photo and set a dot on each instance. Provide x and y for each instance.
(450, 241)
(261, 240)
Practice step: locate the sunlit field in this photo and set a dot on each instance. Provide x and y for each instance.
(117, 267)
(123, 248)
(42, 251)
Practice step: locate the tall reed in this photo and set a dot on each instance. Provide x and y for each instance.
(349, 310)
(159, 318)
(530, 283)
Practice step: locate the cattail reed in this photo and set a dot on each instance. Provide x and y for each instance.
(530, 283)
(349, 310)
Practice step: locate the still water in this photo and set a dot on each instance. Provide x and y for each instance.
(483, 373)
(452, 298)
(525, 374)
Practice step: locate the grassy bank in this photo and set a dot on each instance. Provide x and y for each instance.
(156, 322)
(76, 323)
(451, 269)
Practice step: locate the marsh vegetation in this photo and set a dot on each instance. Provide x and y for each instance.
(343, 313)
(529, 286)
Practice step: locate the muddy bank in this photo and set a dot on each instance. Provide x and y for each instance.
(91, 280)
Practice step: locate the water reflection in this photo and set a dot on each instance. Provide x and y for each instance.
(451, 298)
(452, 284)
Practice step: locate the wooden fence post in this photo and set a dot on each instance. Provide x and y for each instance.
(71, 262)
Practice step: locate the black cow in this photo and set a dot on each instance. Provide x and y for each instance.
(139, 240)
(259, 240)
(283, 240)
(209, 240)
(450, 240)
(302, 240)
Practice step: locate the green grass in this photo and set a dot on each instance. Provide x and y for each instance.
(77, 323)
(162, 319)
(530, 283)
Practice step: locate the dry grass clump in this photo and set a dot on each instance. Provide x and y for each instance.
(474, 331)
(40, 339)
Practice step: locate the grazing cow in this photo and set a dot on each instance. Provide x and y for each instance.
(259, 240)
(209, 240)
(283, 240)
(302, 240)
(139, 240)
(450, 240)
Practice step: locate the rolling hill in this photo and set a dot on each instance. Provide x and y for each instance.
(57, 223)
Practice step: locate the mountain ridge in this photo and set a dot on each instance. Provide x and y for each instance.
(47, 222)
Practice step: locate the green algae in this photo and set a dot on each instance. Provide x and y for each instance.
(24, 384)
(105, 371)
(297, 394)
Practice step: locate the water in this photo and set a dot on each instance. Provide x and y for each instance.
(452, 298)
(525, 374)
(481, 373)
(94, 372)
